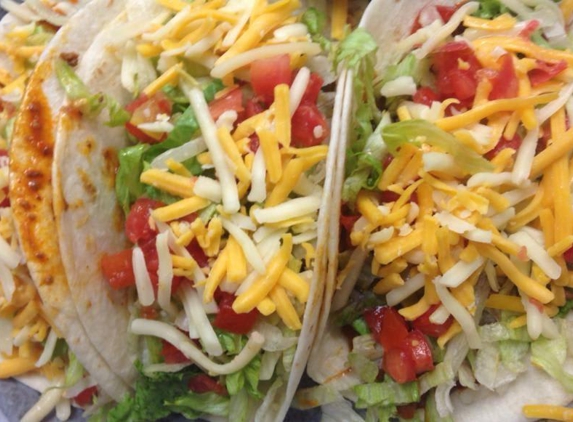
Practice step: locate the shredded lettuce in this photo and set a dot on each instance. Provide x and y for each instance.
(550, 355)
(247, 378)
(565, 309)
(489, 9)
(315, 21)
(90, 104)
(232, 343)
(387, 393)
(309, 398)
(441, 374)
(400, 133)
(431, 410)
(499, 331)
(239, 406)
(193, 406)
(364, 367)
(361, 326)
(513, 355)
(74, 370)
(408, 66)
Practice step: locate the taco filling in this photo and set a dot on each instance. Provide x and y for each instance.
(221, 185)
(456, 227)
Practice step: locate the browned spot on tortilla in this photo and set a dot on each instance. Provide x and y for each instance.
(88, 304)
(70, 58)
(31, 157)
(86, 147)
(110, 166)
(118, 219)
(87, 184)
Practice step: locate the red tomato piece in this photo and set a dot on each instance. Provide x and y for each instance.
(313, 88)
(152, 264)
(407, 411)
(203, 383)
(347, 221)
(308, 126)
(254, 143)
(545, 71)
(446, 12)
(530, 27)
(426, 96)
(419, 349)
(452, 79)
(145, 110)
(137, 228)
(399, 365)
(172, 354)
(118, 269)
(503, 143)
(86, 397)
(148, 312)
(423, 324)
(568, 256)
(227, 319)
(232, 100)
(253, 108)
(266, 74)
(504, 83)
(198, 253)
(387, 325)
(4, 163)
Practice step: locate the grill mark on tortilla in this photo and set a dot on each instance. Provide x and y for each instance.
(88, 185)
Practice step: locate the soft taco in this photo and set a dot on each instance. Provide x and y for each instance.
(42, 341)
(191, 185)
(455, 221)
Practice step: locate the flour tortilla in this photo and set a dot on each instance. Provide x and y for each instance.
(389, 21)
(31, 157)
(90, 223)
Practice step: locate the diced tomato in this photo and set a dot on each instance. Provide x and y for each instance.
(308, 127)
(504, 83)
(347, 221)
(118, 269)
(313, 88)
(266, 74)
(86, 397)
(145, 110)
(254, 143)
(568, 256)
(426, 96)
(387, 196)
(453, 79)
(148, 312)
(172, 354)
(423, 324)
(544, 71)
(407, 411)
(227, 319)
(387, 325)
(399, 364)
(233, 100)
(4, 163)
(253, 108)
(530, 27)
(503, 143)
(446, 12)
(137, 228)
(152, 264)
(203, 383)
(197, 253)
(417, 345)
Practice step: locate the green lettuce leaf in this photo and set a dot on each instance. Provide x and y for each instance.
(550, 356)
(247, 378)
(74, 370)
(361, 326)
(489, 9)
(387, 393)
(315, 20)
(193, 406)
(127, 185)
(400, 133)
(364, 367)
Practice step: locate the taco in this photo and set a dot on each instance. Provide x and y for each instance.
(191, 182)
(43, 342)
(455, 221)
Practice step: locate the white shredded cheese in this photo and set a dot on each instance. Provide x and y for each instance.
(298, 88)
(460, 272)
(402, 85)
(525, 156)
(7, 282)
(6, 328)
(537, 254)
(49, 348)
(195, 312)
(411, 286)
(184, 152)
(143, 284)
(293, 208)
(208, 188)
(249, 249)
(164, 273)
(188, 348)
(47, 402)
(440, 315)
(231, 203)
(258, 191)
